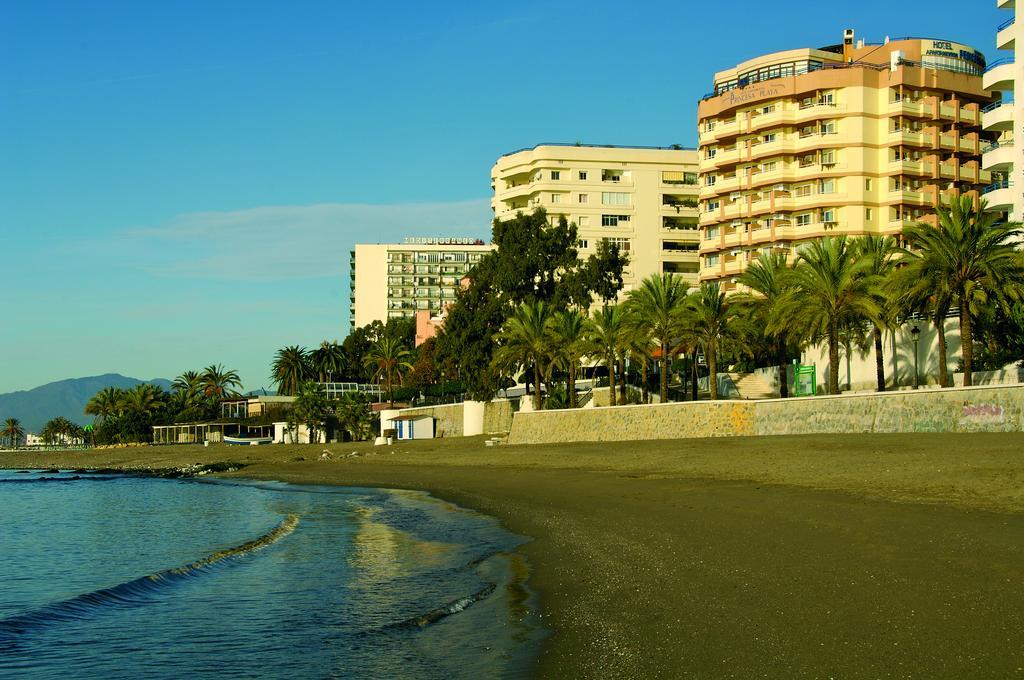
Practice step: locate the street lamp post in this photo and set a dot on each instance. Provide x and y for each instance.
(915, 333)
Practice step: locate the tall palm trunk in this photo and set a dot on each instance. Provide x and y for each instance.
(622, 383)
(663, 387)
(643, 385)
(570, 385)
(711, 353)
(879, 360)
(940, 331)
(536, 387)
(833, 360)
(611, 380)
(783, 371)
(693, 370)
(966, 340)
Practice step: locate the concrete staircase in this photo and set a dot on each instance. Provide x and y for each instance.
(752, 386)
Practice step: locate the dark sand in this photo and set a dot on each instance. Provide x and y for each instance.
(855, 556)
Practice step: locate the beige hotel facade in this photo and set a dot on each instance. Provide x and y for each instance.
(850, 139)
(643, 199)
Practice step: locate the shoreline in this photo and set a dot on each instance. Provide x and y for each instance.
(784, 556)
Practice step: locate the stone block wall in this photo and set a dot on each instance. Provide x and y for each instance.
(971, 409)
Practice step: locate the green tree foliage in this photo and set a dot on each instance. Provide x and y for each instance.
(326, 361)
(568, 332)
(355, 415)
(769, 279)
(607, 338)
(972, 255)
(12, 433)
(659, 303)
(881, 254)
(310, 408)
(715, 322)
(388, 360)
(534, 262)
(219, 383)
(832, 290)
(524, 344)
(290, 369)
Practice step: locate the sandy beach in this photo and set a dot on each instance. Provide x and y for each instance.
(814, 556)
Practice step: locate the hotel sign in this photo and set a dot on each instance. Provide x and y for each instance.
(442, 241)
(751, 93)
(952, 50)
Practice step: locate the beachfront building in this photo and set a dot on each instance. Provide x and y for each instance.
(1003, 158)
(643, 199)
(395, 280)
(856, 138)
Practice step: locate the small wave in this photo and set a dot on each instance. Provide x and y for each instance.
(74, 478)
(444, 611)
(130, 593)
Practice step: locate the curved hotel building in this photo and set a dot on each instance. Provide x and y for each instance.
(1004, 158)
(849, 139)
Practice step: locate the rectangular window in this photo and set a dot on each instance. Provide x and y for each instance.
(710, 180)
(769, 138)
(711, 152)
(622, 243)
(710, 260)
(584, 221)
(711, 232)
(867, 214)
(583, 244)
(611, 176)
(583, 198)
(615, 198)
(555, 174)
(556, 198)
(614, 220)
(711, 206)
(803, 220)
(769, 167)
(803, 190)
(828, 215)
(767, 109)
(828, 127)
(583, 175)
(826, 186)
(828, 157)
(867, 185)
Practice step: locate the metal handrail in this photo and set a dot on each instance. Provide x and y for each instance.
(1006, 24)
(999, 62)
(996, 145)
(995, 186)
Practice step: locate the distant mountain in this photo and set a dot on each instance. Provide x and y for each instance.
(62, 398)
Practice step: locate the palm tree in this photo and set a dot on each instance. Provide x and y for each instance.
(831, 291)
(638, 346)
(974, 255)
(218, 383)
(290, 369)
(568, 335)
(881, 254)
(326, 360)
(190, 385)
(921, 288)
(388, 360)
(105, 403)
(712, 319)
(769, 276)
(13, 432)
(606, 338)
(142, 400)
(524, 343)
(659, 301)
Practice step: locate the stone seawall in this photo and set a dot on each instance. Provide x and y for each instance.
(970, 409)
(449, 419)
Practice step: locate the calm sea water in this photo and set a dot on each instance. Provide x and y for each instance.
(106, 576)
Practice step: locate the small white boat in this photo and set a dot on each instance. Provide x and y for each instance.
(250, 441)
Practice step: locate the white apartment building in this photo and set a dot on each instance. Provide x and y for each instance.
(642, 199)
(1005, 157)
(395, 280)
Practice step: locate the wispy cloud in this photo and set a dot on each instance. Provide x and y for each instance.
(288, 242)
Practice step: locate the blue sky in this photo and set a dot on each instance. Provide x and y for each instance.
(180, 183)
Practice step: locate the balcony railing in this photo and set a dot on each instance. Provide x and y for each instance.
(997, 145)
(996, 186)
(1006, 24)
(998, 62)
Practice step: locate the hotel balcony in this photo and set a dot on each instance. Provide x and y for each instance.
(999, 196)
(1006, 32)
(999, 75)
(998, 156)
(998, 116)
